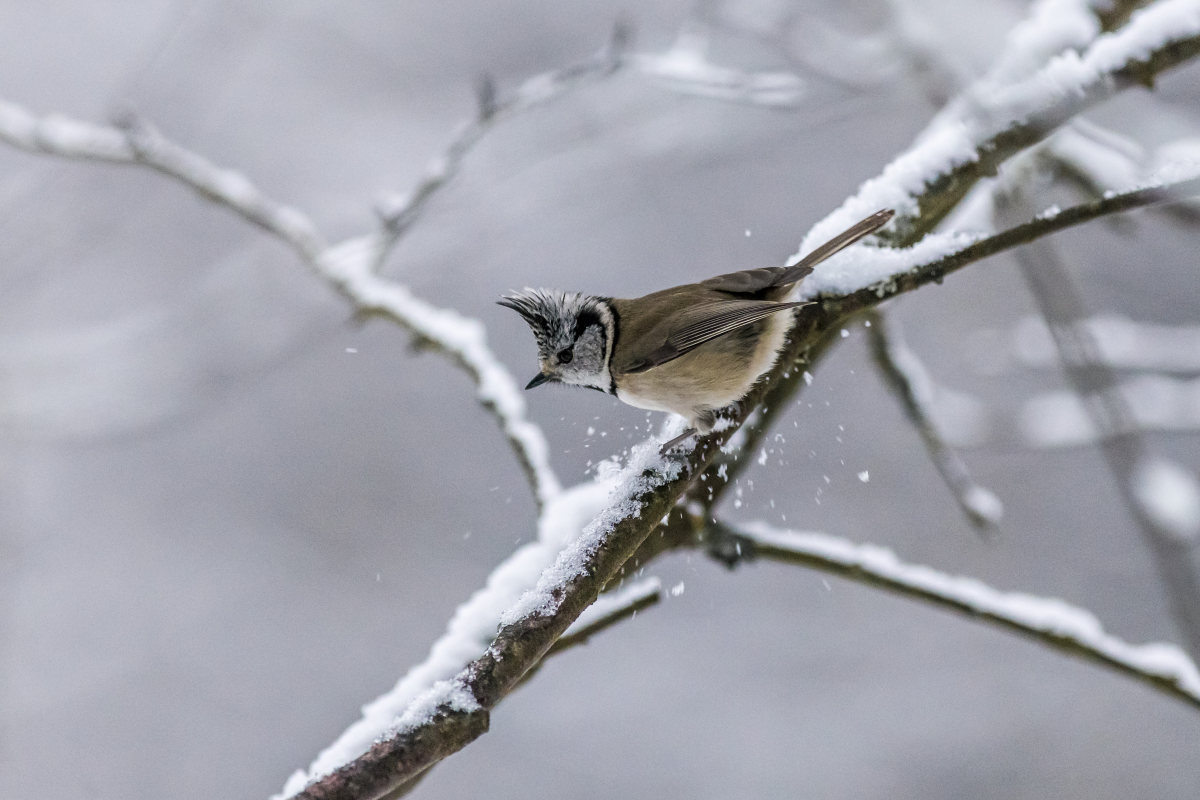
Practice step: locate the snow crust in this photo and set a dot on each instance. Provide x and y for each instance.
(448, 693)
(630, 481)
(1046, 614)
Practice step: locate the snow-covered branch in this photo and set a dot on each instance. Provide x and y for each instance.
(953, 154)
(348, 266)
(908, 380)
(134, 141)
(683, 68)
(454, 712)
(1047, 620)
(868, 276)
(398, 212)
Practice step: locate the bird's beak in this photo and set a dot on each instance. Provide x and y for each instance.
(538, 380)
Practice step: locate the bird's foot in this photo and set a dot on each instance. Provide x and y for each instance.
(668, 446)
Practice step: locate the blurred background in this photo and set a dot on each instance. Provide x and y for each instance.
(230, 514)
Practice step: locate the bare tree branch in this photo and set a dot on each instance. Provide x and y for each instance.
(1045, 620)
(609, 609)
(397, 213)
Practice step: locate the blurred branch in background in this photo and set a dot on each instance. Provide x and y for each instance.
(906, 377)
(1161, 497)
(347, 266)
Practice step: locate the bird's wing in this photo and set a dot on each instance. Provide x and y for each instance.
(705, 322)
(756, 281)
(752, 281)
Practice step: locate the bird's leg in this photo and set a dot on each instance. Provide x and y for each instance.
(666, 448)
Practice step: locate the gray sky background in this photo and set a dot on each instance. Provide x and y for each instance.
(221, 532)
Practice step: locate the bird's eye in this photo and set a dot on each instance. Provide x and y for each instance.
(565, 356)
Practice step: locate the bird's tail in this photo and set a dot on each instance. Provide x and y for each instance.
(838, 243)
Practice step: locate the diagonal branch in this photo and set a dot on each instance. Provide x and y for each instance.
(952, 156)
(906, 378)
(398, 212)
(1047, 621)
(455, 712)
(346, 266)
(892, 272)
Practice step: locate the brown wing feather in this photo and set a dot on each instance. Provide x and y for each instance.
(706, 322)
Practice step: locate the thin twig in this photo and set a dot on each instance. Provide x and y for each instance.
(397, 213)
(906, 378)
(1045, 620)
(609, 609)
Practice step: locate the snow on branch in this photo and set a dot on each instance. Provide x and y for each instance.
(950, 157)
(134, 141)
(471, 628)
(398, 212)
(1048, 620)
(348, 265)
(642, 492)
(866, 276)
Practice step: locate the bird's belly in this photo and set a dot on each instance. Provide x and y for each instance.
(710, 377)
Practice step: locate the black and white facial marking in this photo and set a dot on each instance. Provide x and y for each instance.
(574, 334)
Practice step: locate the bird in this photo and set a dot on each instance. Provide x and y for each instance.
(692, 350)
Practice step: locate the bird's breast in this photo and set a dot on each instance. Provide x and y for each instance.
(712, 376)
